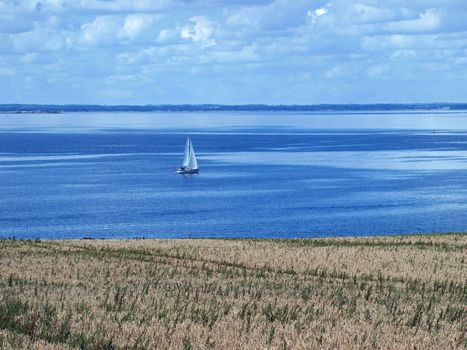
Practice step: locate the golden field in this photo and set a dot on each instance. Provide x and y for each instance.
(334, 293)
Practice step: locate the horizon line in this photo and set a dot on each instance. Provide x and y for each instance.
(211, 107)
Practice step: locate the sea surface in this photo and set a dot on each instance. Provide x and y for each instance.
(262, 174)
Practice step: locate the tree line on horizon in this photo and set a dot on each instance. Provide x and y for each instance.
(55, 108)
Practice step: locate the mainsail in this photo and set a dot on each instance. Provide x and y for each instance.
(189, 157)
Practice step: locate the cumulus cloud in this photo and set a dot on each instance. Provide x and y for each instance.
(101, 31)
(139, 27)
(134, 24)
(315, 14)
(200, 30)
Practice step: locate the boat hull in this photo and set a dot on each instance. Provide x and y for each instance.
(187, 171)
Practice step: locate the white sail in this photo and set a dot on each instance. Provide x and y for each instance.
(189, 157)
(186, 154)
(192, 163)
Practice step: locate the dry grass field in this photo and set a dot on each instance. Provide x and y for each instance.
(343, 293)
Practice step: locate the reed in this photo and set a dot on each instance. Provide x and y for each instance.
(382, 292)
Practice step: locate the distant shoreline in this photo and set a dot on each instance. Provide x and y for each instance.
(53, 108)
(220, 238)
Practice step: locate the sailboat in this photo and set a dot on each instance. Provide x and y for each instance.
(190, 165)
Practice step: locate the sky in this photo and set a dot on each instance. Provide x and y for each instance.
(232, 52)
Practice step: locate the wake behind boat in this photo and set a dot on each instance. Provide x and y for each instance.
(190, 165)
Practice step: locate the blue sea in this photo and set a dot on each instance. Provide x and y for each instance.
(262, 174)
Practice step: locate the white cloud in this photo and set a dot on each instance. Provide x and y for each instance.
(101, 31)
(200, 30)
(138, 25)
(428, 21)
(314, 15)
